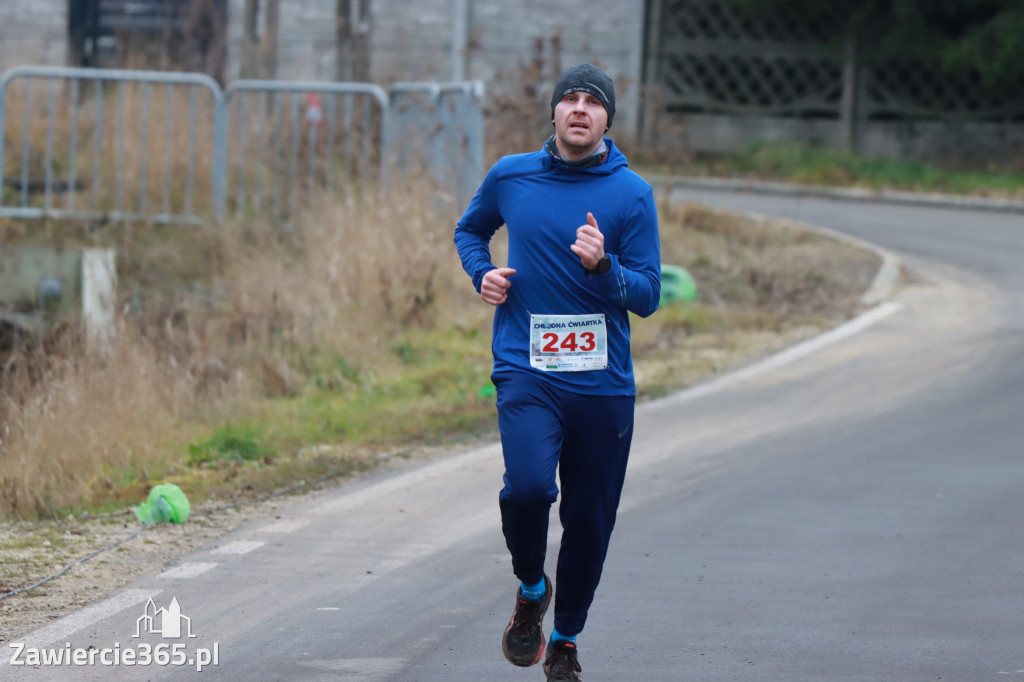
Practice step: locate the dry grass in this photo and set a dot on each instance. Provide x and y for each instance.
(761, 286)
(215, 319)
(220, 330)
(80, 421)
(742, 262)
(355, 273)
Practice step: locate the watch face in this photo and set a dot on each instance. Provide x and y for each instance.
(603, 265)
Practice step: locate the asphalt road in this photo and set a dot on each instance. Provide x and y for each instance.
(852, 514)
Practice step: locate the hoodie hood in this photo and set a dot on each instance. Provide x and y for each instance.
(595, 159)
(604, 162)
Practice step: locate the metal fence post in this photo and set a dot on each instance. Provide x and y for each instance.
(220, 157)
(386, 142)
(469, 126)
(849, 104)
(3, 121)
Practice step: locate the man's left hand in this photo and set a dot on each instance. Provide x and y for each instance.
(589, 244)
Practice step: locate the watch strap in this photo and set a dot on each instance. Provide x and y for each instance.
(603, 266)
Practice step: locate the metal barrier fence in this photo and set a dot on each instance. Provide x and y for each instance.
(177, 147)
(440, 127)
(94, 144)
(291, 137)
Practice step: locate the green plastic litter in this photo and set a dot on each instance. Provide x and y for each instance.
(166, 504)
(488, 391)
(676, 285)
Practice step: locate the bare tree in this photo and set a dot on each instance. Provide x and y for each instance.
(343, 40)
(352, 37)
(361, 57)
(250, 39)
(270, 38)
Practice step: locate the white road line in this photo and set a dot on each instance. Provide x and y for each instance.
(406, 480)
(186, 570)
(355, 669)
(61, 629)
(789, 355)
(240, 547)
(432, 543)
(285, 526)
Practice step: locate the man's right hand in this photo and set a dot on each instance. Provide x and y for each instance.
(494, 287)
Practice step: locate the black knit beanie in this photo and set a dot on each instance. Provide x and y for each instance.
(586, 78)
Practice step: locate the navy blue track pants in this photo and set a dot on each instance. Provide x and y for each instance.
(586, 439)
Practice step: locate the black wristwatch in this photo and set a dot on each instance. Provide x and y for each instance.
(603, 266)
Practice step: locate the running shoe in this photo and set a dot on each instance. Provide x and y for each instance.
(523, 641)
(561, 663)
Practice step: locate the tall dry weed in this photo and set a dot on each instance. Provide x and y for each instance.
(350, 275)
(346, 278)
(518, 108)
(71, 420)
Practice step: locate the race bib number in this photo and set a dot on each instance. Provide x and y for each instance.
(568, 343)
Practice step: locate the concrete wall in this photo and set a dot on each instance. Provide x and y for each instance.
(305, 39)
(412, 40)
(954, 143)
(33, 32)
(931, 141)
(418, 44)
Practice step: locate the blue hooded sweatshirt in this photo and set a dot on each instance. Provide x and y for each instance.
(543, 201)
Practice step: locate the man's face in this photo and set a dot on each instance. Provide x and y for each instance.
(580, 122)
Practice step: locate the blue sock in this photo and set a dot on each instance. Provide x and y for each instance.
(533, 591)
(556, 635)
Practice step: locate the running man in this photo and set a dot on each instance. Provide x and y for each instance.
(583, 253)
